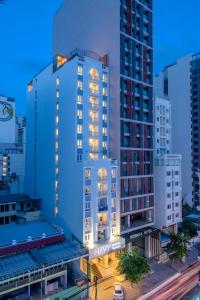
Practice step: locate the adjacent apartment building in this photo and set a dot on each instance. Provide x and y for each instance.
(124, 38)
(168, 186)
(184, 93)
(12, 147)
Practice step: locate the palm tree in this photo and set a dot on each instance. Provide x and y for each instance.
(178, 246)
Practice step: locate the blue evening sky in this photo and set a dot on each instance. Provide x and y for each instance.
(25, 38)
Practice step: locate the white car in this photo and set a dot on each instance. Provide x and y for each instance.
(118, 292)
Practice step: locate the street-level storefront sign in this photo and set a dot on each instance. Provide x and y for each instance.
(140, 234)
(101, 250)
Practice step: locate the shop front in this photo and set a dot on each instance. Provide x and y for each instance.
(146, 240)
(103, 259)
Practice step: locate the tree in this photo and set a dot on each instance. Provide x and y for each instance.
(178, 246)
(133, 265)
(189, 228)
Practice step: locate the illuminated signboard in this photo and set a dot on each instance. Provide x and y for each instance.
(106, 248)
(6, 111)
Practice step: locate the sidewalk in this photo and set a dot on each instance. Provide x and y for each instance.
(160, 273)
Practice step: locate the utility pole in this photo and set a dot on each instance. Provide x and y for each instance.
(95, 285)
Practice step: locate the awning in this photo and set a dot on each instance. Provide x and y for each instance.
(139, 234)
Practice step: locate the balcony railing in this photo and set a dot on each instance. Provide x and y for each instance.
(102, 208)
(136, 224)
(103, 193)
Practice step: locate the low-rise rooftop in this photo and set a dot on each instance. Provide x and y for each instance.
(21, 232)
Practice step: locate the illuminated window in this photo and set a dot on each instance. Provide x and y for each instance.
(79, 99)
(104, 104)
(94, 74)
(61, 60)
(56, 197)
(87, 173)
(56, 145)
(57, 94)
(94, 115)
(94, 87)
(94, 102)
(56, 171)
(30, 86)
(94, 144)
(57, 106)
(93, 130)
(80, 70)
(104, 117)
(56, 158)
(56, 210)
(102, 187)
(57, 132)
(114, 230)
(56, 184)
(79, 128)
(57, 120)
(104, 131)
(104, 156)
(80, 84)
(102, 173)
(57, 81)
(93, 156)
(113, 202)
(87, 237)
(104, 145)
(113, 172)
(79, 114)
(79, 144)
(105, 77)
(104, 91)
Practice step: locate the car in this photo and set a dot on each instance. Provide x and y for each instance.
(118, 292)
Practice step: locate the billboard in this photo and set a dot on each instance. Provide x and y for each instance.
(7, 120)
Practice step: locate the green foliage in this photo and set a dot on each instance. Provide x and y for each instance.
(189, 228)
(133, 265)
(178, 246)
(186, 209)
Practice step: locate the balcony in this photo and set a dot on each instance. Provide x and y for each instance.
(102, 208)
(136, 224)
(103, 193)
(102, 224)
(103, 178)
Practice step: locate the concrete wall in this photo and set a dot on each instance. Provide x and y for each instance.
(179, 95)
(94, 25)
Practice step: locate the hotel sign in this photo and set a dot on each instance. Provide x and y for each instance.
(106, 248)
(142, 234)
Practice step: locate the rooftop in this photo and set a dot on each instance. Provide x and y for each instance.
(18, 264)
(21, 232)
(10, 198)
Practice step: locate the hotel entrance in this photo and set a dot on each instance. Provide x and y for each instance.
(103, 260)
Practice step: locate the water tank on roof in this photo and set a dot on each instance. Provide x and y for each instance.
(29, 239)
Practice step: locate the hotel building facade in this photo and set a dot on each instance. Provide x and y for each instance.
(125, 37)
(68, 161)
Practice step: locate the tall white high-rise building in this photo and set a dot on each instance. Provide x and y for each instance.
(168, 184)
(175, 82)
(68, 163)
(12, 148)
